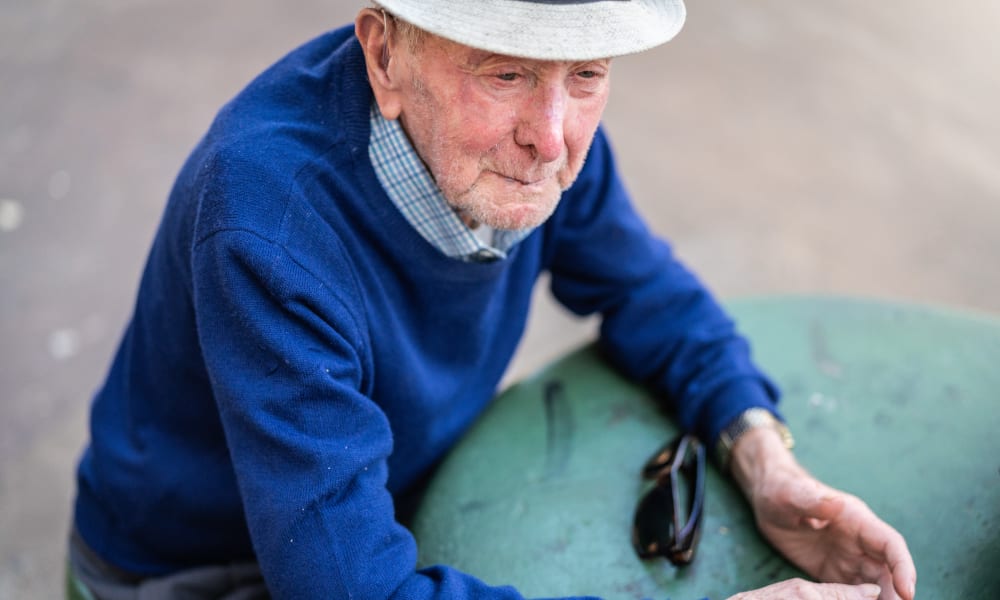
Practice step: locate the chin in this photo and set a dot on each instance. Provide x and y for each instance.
(527, 216)
(507, 207)
(521, 213)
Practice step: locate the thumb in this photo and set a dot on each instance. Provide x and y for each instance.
(817, 502)
(868, 591)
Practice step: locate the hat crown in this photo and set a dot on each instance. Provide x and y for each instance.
(548, 29)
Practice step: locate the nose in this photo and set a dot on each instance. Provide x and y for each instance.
(543, 122)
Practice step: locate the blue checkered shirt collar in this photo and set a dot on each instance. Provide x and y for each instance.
(412, 189)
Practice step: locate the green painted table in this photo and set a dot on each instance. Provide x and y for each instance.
(897, 404)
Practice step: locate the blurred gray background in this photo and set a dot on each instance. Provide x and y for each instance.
(845, 147)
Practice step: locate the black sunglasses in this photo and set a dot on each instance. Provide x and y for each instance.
(668, 518)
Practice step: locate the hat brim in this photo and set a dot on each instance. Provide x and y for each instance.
(548, 29)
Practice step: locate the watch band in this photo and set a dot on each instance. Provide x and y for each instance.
(747, 420)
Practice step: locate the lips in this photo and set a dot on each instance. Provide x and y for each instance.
(534, 181)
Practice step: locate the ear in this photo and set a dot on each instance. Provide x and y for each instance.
(370, 27)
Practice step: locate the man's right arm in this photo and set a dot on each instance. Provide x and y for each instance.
(287, 361)
(831, 535)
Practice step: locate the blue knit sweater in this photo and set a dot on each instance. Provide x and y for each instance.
(299, 355)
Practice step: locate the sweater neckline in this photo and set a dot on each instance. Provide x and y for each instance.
(353, 106)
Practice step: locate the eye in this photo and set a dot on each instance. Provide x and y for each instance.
(509, 77)
(589, 79)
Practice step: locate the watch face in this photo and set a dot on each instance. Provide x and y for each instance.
(747, 420)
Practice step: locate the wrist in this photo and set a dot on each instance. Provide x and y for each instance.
(748, 420)
(758, 452)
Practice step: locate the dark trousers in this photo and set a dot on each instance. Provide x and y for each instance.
(89, 577)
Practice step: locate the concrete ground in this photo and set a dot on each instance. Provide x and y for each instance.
(848, 148)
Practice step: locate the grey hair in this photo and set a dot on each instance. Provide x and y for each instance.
(410, 34)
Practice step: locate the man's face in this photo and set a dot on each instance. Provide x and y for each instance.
(502, 136)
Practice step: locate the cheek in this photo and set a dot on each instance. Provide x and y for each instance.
(484, 123)
(580, 129)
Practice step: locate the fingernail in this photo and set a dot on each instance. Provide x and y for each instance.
(870, 590)
(913, 589)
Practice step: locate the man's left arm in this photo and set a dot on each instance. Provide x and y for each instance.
(662, 327)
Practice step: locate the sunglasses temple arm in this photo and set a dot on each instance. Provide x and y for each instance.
(699, 498)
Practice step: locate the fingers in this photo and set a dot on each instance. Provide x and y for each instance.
(868, 591)
(870, 570)
(799, 589)
(888, 590)
(841, 591)
(850, 529)
(883, 543)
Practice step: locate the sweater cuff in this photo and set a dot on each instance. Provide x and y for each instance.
(730, 402)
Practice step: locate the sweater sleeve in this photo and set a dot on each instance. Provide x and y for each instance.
(288, 364)
(660, 325)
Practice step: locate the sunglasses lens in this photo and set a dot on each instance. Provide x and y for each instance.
(653, 529)
(685, 492)
(659, 461)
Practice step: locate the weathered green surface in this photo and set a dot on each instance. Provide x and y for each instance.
(898, 404)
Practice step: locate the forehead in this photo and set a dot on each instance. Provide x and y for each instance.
(467, 57)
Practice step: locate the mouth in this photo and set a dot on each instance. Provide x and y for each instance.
(523, 182)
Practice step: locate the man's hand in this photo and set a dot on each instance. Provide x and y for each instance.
(799, 589)
(832, 536)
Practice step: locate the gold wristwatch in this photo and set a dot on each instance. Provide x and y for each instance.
(747, 420)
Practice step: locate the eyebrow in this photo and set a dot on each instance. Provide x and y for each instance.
(478, 57)
(474, 58)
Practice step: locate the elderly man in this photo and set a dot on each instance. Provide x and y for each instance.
(341, 276)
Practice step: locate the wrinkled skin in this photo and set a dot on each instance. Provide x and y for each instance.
(502, 137)
(799, 589)
(831, 535)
